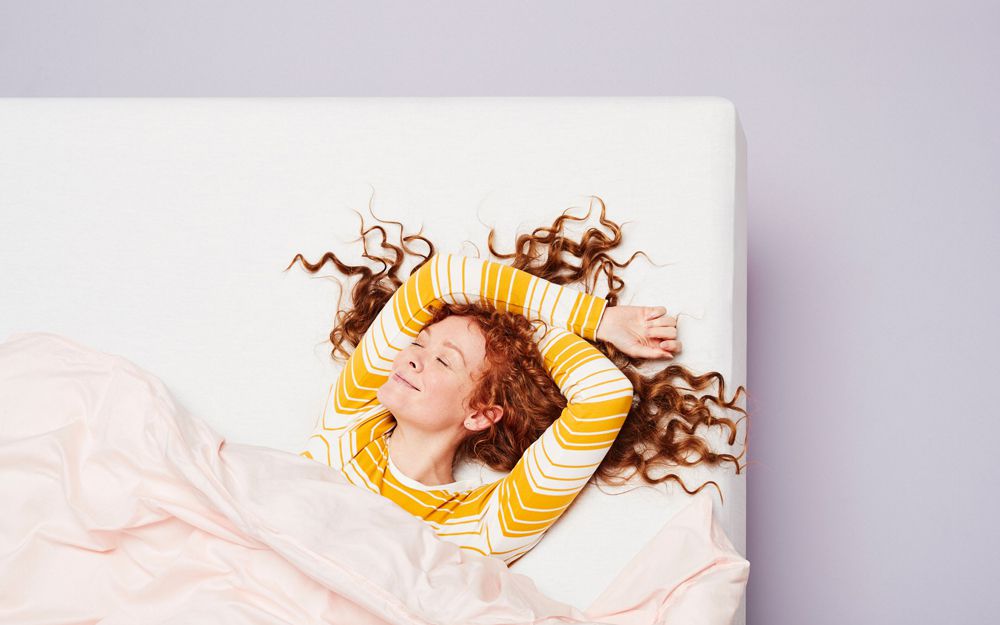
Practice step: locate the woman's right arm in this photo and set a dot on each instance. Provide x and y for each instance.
(556, 467)
(450, 278)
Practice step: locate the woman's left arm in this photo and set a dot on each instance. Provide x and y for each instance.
(556, 467)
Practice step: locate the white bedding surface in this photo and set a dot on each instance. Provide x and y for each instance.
(158, 229)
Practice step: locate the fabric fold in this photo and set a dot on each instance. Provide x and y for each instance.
(122, 507)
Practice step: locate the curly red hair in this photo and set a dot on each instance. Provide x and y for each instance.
(660, 428)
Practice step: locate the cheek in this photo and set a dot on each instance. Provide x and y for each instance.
(445, 395)
(444, 388)
(461, 392)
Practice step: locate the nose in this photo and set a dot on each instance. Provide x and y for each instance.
(416, 363)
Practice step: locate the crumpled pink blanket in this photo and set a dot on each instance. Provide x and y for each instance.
(121, 507)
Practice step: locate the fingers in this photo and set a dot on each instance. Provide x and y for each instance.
(656, 350)
(671, 346)
(656, 354)
(662, 332)
(661, 326)
(652, 312)
(661, 320)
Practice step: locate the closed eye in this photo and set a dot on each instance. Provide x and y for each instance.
(439, 360)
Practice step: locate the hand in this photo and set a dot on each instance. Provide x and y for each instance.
(640, 331)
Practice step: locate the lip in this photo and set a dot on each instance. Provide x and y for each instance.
(403, 381)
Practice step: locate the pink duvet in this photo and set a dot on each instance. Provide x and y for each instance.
(120, 507)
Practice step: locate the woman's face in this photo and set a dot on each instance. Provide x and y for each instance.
(443, 362)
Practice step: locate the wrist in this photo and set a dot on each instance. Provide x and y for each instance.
(601, 334)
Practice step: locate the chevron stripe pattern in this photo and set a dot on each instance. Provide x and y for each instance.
(507, 517)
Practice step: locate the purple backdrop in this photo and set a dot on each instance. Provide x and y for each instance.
(873, 219)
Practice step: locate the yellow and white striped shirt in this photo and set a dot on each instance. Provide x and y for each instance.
(507, 517)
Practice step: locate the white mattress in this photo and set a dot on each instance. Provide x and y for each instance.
(158, 229)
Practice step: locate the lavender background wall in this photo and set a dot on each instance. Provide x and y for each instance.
(874, 216)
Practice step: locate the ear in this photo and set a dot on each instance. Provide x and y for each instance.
(493, 413)
(487, 416)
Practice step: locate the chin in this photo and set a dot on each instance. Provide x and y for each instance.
(389, 400)
(384, 398)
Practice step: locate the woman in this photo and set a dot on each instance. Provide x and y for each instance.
(401, 404)
(458, 363)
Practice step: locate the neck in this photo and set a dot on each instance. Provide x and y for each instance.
(424, 457)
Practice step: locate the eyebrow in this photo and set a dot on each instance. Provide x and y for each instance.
(448, 344)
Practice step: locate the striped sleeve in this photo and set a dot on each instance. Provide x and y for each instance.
(556, 467)
(450, 278)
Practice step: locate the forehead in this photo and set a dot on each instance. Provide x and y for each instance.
(453, 326)
(460, 330)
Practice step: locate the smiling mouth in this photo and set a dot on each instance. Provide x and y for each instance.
(402, 381)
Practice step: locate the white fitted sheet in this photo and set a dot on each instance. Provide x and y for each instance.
(158, 229)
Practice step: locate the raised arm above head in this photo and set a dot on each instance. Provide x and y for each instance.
(556, 467)
(452, 278)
